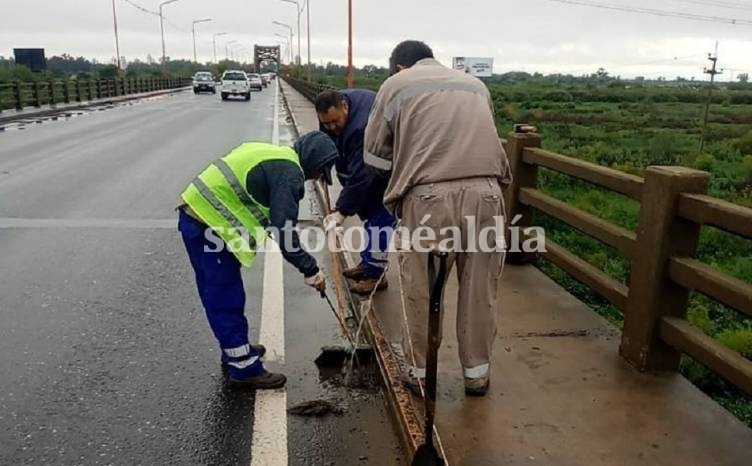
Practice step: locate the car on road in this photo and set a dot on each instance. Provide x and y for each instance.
(265, 80)
(255, 81)
(235, 83)
(203, 81)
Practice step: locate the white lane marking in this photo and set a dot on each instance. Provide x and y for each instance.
(85, 223)
(269, 445)
(275, 123)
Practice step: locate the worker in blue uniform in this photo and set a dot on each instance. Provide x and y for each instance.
(226, 213)
(343, 115)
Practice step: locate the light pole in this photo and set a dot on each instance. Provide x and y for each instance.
(290, 28)
(287, 42)
(193, 30)
(349, 46)
(117, 40)
(227, 48)
(161, 26)
(308, 31)
(279, 42)
(298, 11)
(214, 41)
(236, 50)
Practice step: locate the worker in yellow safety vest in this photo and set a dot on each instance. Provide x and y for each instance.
(226, 214)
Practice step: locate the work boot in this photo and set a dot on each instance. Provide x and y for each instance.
(365, 287)
(477, 387)
(356, 273)
(412, 383)
(265, 381)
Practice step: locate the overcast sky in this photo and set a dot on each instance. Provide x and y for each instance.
(529, 35)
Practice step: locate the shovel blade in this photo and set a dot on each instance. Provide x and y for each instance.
(426, 455)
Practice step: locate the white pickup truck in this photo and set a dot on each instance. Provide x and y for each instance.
(235, 82)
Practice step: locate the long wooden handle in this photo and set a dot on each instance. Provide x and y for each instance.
(331, 238)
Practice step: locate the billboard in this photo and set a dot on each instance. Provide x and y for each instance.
(31, 58)
(481, 67)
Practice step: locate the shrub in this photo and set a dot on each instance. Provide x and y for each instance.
(704, 162)
(747, 168)
(744, 143)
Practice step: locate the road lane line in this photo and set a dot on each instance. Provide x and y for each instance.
(275, 123)
(269, 443)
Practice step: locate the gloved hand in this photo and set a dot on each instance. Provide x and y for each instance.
(317, 282)
(333, 221)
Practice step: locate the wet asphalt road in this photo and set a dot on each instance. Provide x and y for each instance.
(106, 355)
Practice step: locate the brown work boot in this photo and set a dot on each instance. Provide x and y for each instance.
(265, 381)
(365, 287)
(355, 273)
(477, 387)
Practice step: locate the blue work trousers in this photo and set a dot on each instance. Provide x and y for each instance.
(220, 287)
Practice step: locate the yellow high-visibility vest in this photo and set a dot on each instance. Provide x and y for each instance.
(218, 196)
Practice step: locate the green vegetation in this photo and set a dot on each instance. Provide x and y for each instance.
(629, 126)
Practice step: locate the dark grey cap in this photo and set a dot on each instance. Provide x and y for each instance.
(317, 154)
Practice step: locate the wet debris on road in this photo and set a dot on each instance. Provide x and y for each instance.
(317, 408)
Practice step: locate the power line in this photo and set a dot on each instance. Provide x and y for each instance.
(144, 10)
(719, 4)
(140, 8)
(654, 12)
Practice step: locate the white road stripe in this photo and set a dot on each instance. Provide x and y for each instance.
(269, 445)
(275, 124)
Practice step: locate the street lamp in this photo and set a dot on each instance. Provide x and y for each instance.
(161, 26)
(298, 11)
(308, 32)
(287, 42)
(214, 41)
(117, 40)
(349, 46)
(193, 30)
(227, 48)
(290, 28)
(236, 51)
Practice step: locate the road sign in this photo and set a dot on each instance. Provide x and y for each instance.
(481, 67)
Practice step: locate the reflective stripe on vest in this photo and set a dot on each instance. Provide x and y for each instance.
(219, 198)
(244, 197)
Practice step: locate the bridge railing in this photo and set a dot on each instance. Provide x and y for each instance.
(19, 95)
(309, 89)
(673, 208)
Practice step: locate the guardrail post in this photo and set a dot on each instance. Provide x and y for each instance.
(53, 98)
(18, 95)
(661, 234)
(66, 91)
(35, 94)
(123, 82)
(525, 176)
(78, 90)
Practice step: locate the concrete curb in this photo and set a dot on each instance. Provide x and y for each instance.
(83, 105)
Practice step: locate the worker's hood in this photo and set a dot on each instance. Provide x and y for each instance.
(317, 154)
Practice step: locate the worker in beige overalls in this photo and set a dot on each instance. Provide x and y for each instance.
(432, 130)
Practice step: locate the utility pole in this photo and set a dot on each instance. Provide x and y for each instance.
(214, 42)
(308, 30)
(193, 30)
(712, 72)
(349, 46)
(117, 40)
(161, 26)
